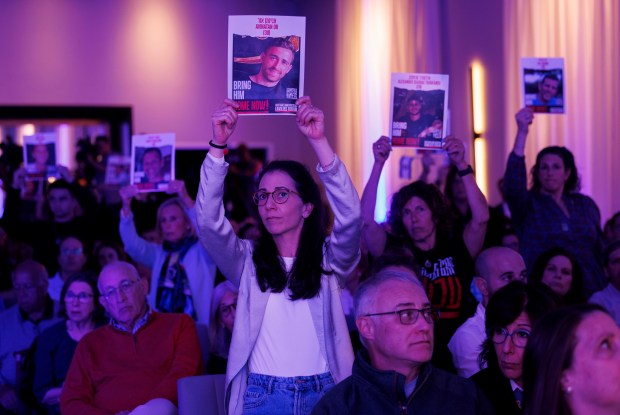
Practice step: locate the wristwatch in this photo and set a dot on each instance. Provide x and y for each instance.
(465, 171)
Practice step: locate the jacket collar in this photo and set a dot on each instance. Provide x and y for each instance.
(389, 382)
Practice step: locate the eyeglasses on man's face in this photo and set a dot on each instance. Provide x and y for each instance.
(519, 337)
(70, 297)
(279, 195)
(410, 315)
(126, 287)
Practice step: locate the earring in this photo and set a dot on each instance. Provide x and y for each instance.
(568, 390)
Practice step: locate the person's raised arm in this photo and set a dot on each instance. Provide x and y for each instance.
(223, 123)
(524, 118)
(178, 187)
(140, 250)
(311, 123)
(373, 234)
(475, 229)
(515, 176)
(344, 240)
(215, 231)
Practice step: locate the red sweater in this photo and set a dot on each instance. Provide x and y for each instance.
(114, 371)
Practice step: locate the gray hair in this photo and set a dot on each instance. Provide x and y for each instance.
(366, 293)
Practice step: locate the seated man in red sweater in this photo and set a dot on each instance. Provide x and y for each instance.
(132, 365)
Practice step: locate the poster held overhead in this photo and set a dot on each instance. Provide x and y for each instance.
(418, 113)
(266, 57)
(40, 156)
(543, 84)
(152, 161)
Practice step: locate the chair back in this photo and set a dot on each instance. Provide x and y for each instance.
(202, 395)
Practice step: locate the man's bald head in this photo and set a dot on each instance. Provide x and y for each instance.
(495, 268)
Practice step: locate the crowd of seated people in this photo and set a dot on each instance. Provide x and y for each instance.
(309, 304)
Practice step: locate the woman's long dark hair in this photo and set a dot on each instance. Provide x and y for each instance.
(548, 353)
(575, 294)
(304, 279)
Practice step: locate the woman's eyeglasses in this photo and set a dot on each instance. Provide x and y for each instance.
(280, 195)
(81, 297)
(519, 337)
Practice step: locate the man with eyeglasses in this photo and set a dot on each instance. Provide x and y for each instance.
(394, 375)
(496, 267)
(71, 260)
(132, 365)
(19, 326)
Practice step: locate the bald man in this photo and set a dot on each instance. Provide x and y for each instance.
(132, 365)
(495, 268)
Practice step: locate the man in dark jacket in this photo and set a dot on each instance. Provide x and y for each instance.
(394, 375)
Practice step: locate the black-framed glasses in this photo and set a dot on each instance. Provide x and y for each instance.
(280, 195)
(125, 287)
(410, 315)
(519, 337)
(81, 297)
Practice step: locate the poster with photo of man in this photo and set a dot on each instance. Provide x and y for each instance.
(152, 161)
(266, 56)
(543, 84)
(118, 170)
(40, 156)
(418, 114)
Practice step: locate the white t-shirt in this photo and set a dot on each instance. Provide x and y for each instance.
(287, 343)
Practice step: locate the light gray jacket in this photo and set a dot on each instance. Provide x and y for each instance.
(233, 256)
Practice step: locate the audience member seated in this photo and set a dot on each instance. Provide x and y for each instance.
(495, 268)
(183, 273)
(420, 219)
(553, 213)
(106, 252)
(572, 363)
(133, 364)
(54, 348)
(12, 253)
(67, 218)
(19, 327)
(558, 269)
(612, 228)
(512, 312)
(394, 375)
(71, 261)
(610, 296)
(223, 311)
(510, 240)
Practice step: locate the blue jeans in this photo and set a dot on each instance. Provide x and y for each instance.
(268, 395)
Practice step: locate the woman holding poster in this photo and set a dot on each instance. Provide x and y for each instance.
(552, 213)
(290, 334)
(420, 220)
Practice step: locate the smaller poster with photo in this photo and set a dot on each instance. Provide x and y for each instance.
(152, 161)
(418, 115)
(543, 84)
(266, 59)
(40, 156)
(118, 170)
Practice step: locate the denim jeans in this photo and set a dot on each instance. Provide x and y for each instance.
(268, 395)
